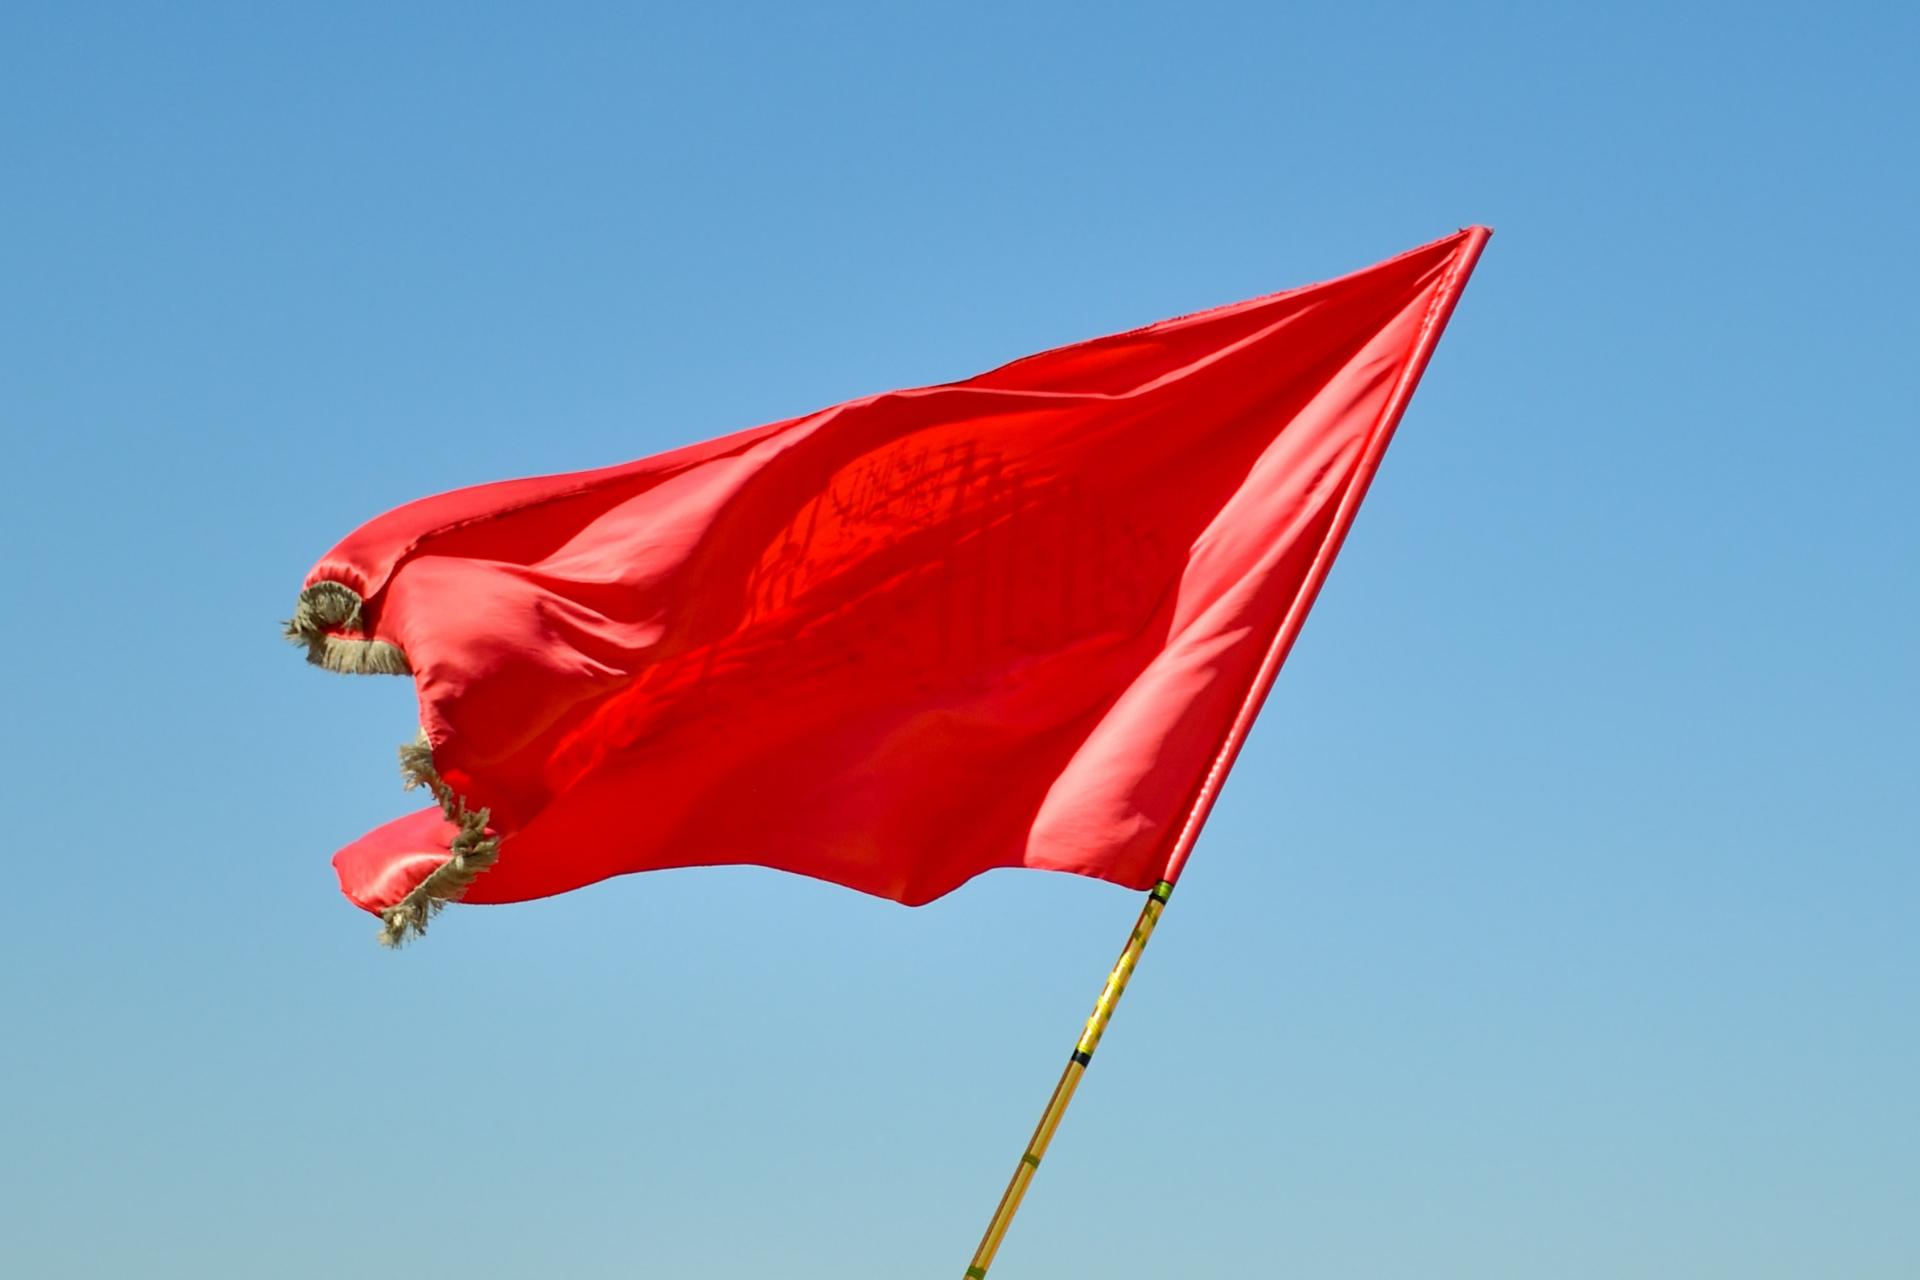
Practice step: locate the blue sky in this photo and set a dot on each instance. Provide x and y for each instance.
(1559, 919)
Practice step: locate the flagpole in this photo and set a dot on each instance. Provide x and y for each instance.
(1446, 295)
(1077, 1064)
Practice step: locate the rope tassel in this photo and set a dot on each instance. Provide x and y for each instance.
(474, 849)
(323, 611)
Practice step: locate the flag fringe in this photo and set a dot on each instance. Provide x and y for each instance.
(474, 850)
(322, 611)
(326, 608)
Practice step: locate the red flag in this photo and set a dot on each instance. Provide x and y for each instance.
(1020, 620)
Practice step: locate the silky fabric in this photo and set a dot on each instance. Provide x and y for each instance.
(1019, 620)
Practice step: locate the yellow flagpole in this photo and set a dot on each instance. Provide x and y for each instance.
(1069, 1080)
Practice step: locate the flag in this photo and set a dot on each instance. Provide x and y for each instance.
(1022, 620)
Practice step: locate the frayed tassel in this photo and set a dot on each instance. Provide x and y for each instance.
(363, 658)
(329, 607)
(473, 851)
(324, 609)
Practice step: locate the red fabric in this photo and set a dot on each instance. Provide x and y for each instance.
(1021, 620)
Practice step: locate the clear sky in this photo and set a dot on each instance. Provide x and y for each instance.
(1560, 919)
